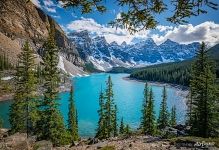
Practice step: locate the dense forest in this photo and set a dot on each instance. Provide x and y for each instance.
(175, 73)
(4, 62)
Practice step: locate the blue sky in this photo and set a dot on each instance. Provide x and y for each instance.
(201, 28)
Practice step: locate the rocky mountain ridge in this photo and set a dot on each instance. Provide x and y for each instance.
(142, 52)
(20, 21)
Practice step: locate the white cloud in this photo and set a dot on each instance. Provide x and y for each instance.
(52, 10)
(56, 16)
(184, 34)
(48, 3)
(36, 3)
(111, 34)
(207, 32)
(118, 16)
(64, 29)
(74, 15)
(60, 4)
(164, 28)
(50, 6)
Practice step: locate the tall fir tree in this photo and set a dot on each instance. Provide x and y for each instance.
(72, 118)
(127, 130)
(101, 130)
(51, 125)
(163, 118)
(4, 62)
(173, 116)
(23, 111)
(144, 107)
(107, 124)
(109, 108)
(115, 125)
(122, 127)
(150, 114)
(189, 108)
(204, 120)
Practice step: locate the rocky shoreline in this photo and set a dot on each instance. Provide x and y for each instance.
(19, 141)
(180, 87)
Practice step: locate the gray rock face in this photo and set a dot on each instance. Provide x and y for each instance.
(21, 21)
(43, 145)
(140, 53)
(17, 141)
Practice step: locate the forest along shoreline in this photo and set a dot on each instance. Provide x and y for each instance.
(182, 90)
(65, 86)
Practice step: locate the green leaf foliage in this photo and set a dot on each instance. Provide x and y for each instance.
(141, 14)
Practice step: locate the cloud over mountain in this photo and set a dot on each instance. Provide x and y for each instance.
(36, 3)
(207, 32)
(185, 34)
(111, 34)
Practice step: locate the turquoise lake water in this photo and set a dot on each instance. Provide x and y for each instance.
(128, 97)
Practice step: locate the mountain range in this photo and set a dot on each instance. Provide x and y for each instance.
(141, 52)
(175, 72)
(77, 49)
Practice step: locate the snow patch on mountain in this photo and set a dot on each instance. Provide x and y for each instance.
(61, 64)
(141, 52)
(69, 68)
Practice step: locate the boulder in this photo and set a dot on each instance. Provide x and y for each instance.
(93, 141)
(17, 141)
(3, 133)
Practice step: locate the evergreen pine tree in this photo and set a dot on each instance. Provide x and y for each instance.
(150, 114)
(204, 120)
(109, 108)
(4, 62)
(189, 106)
(107, 124)
(162, 121)
(72, 117)
(127, 130)
(121, 128)
(115, 126)
(51, 125)
(101, 130)
(173, 116)
(23, 111)
(144, 107)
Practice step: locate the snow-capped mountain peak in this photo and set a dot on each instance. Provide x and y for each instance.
(140, 52)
